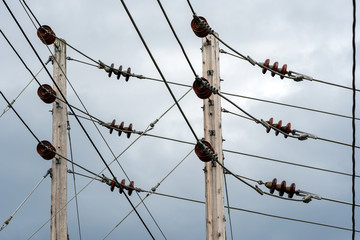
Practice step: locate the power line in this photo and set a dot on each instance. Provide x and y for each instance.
(23, 202)
(353, 115)
(153, 189)
(158, 69)
(84, 130)
(73, 175)
(312, 79)
(228, 207)
(260, 213)
(237, 152)
(13, 101)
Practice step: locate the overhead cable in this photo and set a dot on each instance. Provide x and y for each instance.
(84, 130)
(353, 117)
(23, 202)
(158, 69)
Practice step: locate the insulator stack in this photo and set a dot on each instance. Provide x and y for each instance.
(120, 128)
(199, 29)
(122, 186)
(118, 72)
(286, 129)
(46, 35)
(200, 90)
(46, 150)
(202, 154)
(46, 93)
(281, 188)
(274, 67)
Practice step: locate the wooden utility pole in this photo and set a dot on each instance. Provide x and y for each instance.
(59, 166)
(214, 174)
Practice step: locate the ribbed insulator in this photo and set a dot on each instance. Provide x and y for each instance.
(46, 93)
(281, 188)
(286, 129)
(46, 150)
(120, 128)
(202, 155)
(199, 30)
(274, 67)
(200, 90)
(46, 35)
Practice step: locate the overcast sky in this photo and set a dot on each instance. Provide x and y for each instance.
(311, 37)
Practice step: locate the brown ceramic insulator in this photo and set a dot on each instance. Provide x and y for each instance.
(112, 125)
(122, 184)
(200, 90)
(283, 71)
(113, 184)
(128, 134)
(131, 188)
(119, 72)
(121, 127)
(46, 35)
(275, 68)
(286, 129)
(199, 30)
(266, 64)
(282, 188)
(128, 72)
(202, 155)
(278, 126)
(270, 122)
(46, 93)
(291, 190)
(111, 70)
(273, 185)
(46, 150)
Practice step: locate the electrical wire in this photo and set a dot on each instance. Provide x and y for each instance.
(239, 153)
(13, 101)
(84, 130)
(259, 213)
(177, 38)
(153, 189)
(92, 179)
(158, 69)
(353, 116)
(315, 80)
(23, 202)
(73, 175)
(228, 207)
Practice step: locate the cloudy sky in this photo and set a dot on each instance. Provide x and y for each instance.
(312, 37)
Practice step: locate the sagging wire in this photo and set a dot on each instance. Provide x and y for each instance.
(353, 118)
(153, 189)
(96, 178)
(206, 29)
(298, 77)
(300, 135)
(282, 188)
(158, 69)
(6, 222)
(225, 93)
(228, 207)
(73, 175)
(84, 130)
(13, 101)
(237, 152)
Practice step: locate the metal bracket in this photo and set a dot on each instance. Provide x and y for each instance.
(58, 105)
(58, 160)
(211, 102)
(57, 48)
(212, 132)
